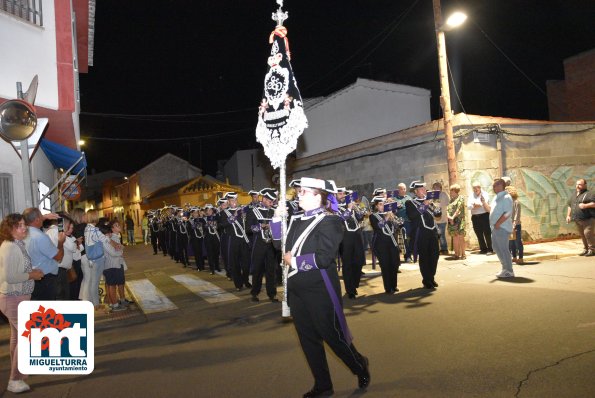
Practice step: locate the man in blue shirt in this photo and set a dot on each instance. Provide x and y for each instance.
(501, 226)
(44, 255)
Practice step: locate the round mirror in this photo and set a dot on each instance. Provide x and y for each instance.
(17, 120)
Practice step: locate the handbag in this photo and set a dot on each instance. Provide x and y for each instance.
(71, 275)
(94, 251)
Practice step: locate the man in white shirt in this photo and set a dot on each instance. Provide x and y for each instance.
(501, 226)
(478, 203)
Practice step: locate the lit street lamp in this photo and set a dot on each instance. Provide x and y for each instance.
(453, 21)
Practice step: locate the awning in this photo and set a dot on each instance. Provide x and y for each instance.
(63, 157)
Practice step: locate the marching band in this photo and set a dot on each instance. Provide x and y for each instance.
(240, 236)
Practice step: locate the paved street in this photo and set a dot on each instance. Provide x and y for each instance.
(476, 336)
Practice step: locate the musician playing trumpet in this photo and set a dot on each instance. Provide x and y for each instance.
(421, 211)
(264, 256)
(384, 223)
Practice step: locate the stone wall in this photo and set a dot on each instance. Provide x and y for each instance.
(543, 159)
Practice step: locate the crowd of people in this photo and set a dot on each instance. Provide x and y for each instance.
(57, 257)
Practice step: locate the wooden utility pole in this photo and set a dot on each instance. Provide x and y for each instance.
(451, 158)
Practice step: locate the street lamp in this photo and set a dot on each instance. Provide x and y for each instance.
(453, 21)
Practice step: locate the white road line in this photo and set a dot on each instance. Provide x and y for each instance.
(149, 298)
(206, 290)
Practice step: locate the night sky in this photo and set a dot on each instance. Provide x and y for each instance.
(190, 73)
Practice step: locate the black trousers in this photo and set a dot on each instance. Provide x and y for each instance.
(154, 241)
(162, 241)
(239, 261)
(352, 259)
(428, 252)
(75, 287)
(225, 251)
(481, 226)
(213, 251)
(316, 322)
(62, 285)
(45, 288)
(264, 263)
(388, 257)
(182, 248)
(196, 244)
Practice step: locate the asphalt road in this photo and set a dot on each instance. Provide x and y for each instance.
(475, 336)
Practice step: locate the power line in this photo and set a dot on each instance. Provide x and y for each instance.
(149, 140)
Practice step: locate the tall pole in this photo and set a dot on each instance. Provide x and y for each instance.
(451, 158)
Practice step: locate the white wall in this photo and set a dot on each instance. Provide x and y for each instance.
(365, 110)
(241, 165)
(28, 50)
(41, 170)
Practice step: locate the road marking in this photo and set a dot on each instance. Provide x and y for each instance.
(149, 298)
(206, 290)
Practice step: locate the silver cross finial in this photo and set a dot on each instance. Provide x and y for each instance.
(280, 16)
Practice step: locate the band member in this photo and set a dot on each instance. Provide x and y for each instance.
(224, 242)
(212, 242)
(182, 237)
(254, 202)
(314, 290)
(264, 260)
(232, 220)
(154, 231)
(385, 245)
(421, 213)
(171, 236)
(352, 252)
(196, 234)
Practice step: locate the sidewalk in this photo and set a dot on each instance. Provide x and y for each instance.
(534, 253)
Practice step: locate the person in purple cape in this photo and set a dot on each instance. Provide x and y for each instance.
(314, 290)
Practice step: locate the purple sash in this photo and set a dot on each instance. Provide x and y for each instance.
(337, 306)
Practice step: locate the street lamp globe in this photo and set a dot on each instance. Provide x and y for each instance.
(456, 19)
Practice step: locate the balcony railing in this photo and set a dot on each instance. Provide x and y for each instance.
(28, 10)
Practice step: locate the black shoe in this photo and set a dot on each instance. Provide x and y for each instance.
(590, 254)
(434, 284)
(154, 254)
(584, 253)
(274, 299)
(317, 392)
(248, 285)
(351, 296)
(429, 286)
(255, 299)
(238, 289)
(212, 272)
(363, 380)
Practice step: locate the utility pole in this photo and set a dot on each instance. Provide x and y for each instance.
(451, 158)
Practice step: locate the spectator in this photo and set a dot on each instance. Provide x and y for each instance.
(113, 269)
(130, 229)
(456, 221)
(79, 256)
(515, 243)
(63, 286)
(17, 278)
(44, 254)
(93, 236)
(145, 229)
(501, 225)
(479, 204)
(581, 210)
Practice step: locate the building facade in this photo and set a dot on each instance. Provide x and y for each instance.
(543, 159)
(51, 42)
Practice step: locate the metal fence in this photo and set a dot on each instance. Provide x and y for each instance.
(28, 10)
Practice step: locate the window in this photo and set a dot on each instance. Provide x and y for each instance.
(28, 10)
(6, 201)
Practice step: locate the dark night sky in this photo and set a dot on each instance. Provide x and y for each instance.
(207, 58)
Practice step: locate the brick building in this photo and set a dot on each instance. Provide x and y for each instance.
(573, 99)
